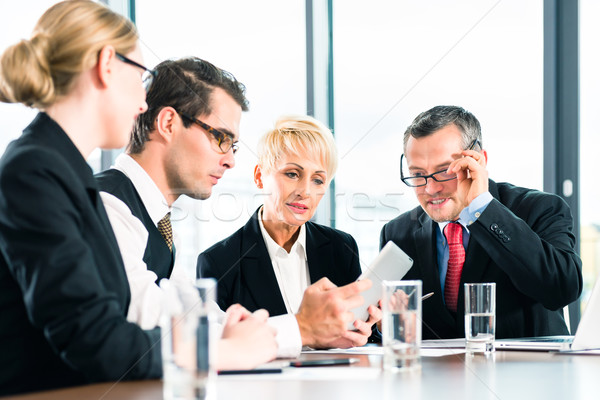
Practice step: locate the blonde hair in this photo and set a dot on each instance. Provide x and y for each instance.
(65, 42)
(296, 135)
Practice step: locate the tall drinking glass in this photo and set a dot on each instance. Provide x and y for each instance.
(401, 325)
(480, 316)
(188, 339)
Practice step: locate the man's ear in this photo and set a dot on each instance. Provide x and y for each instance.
(258, 177)
(165, 123)
(485, 155)
(104, 67)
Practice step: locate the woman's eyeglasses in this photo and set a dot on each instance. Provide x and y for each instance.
(148, 75)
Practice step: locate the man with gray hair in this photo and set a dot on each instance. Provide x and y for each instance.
(469, 229)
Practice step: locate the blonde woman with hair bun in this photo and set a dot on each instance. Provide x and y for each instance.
(280, 254)
(64, 290)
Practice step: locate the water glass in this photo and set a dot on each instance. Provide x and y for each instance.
(188, 339)
(401, 325)
(480, 316)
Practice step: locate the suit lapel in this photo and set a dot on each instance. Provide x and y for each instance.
(257, 269)
(319, 255)
(477, 260)
(424, 238)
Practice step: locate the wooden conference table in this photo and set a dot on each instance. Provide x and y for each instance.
(502, 375)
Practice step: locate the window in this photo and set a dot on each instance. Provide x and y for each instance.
(394, 60)
(589, 144)
(266, 53)
(23, 17)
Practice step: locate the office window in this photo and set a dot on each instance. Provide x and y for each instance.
(18, 22)
(589, 34)
(393, 60)
(263, 44)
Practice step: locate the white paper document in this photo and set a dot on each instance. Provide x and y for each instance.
(312, 374)
(438, 349)
(443, 344)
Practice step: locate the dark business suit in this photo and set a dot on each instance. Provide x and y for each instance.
(63, 290)
(244, 271)
(523, 241)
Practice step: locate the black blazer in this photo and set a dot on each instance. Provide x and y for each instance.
(523, 241)
(64, 294)
(244, 271)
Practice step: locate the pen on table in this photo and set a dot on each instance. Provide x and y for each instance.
(323, 363)
(428, 295)
(250, 371)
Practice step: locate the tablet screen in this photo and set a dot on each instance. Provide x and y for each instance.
(390, 265)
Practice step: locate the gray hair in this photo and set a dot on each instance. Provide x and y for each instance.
(431, 121)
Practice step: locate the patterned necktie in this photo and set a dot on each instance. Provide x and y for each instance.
(454, 235)
(165, 229)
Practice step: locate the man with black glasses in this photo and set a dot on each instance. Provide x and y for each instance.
(183, 145)
(469, 228)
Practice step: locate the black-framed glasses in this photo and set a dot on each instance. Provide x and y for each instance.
(439, 176)
(148, 75)
(224, 140)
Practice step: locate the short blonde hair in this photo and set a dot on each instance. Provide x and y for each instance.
(65, 42)
(296, 135)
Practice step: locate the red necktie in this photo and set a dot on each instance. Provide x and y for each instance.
(454, 235)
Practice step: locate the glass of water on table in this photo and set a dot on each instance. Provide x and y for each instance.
(401, 325)
(480, 316)
(189, 339)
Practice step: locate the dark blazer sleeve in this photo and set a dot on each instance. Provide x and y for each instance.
(354, 269)
(65, 296)
(533, 243)
(207, 267)
(383, 237)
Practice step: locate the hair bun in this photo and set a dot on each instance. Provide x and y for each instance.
(25, 75)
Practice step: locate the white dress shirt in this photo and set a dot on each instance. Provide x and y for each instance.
(147, 299)
(291, 269)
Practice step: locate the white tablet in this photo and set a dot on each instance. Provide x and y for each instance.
(391, 264)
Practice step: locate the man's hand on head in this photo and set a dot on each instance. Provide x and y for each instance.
(324, 314)
(472, 175)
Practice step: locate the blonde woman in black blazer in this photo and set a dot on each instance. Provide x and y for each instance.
(279, 253)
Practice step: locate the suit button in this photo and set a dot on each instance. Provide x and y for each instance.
(494, 227)
(500, 232)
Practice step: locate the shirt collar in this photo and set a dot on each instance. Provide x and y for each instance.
(273, 248)
(442, 225)
(151, 196)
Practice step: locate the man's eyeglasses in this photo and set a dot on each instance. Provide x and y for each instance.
(440, 176)
(148, 75)
(224, 140)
